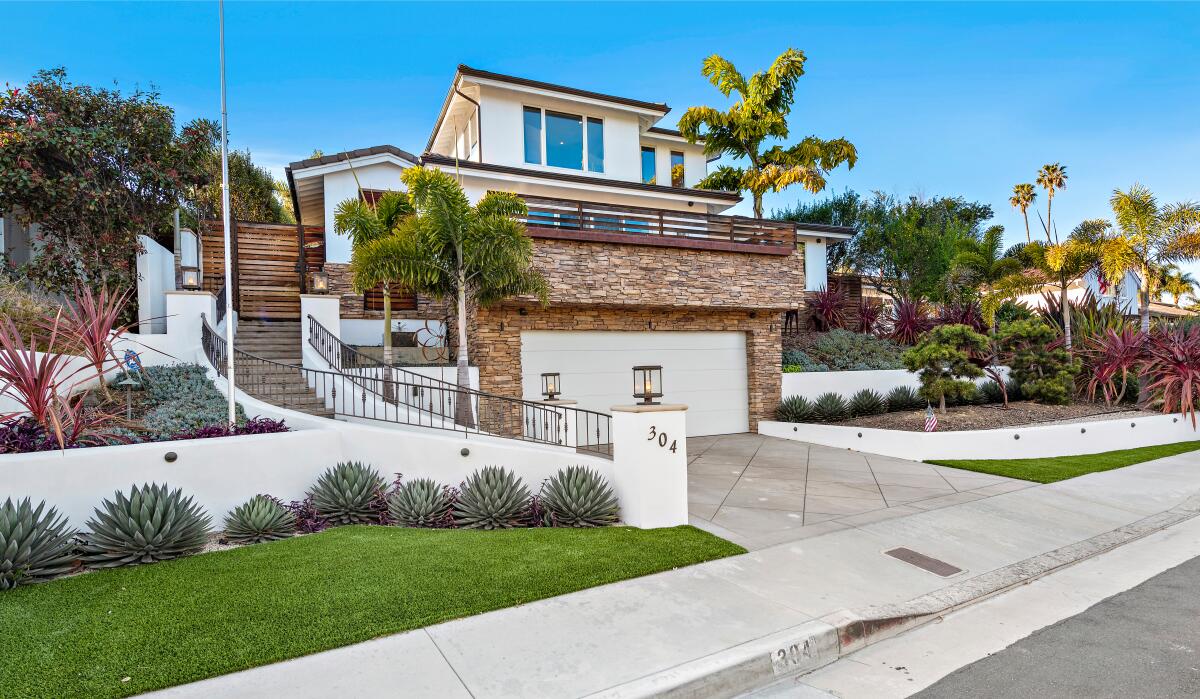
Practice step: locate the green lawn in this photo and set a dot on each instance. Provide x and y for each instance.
(121, 632)
(1060, 468)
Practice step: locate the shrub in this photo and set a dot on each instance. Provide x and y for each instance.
(1014, 390)
(577, 496)
(27, 311)
(1109, 359)
(1046, 374)
(259, 519)
(991, 392)
(904, 398)
(23, 435)
(795, 409)
(943, 360)
(308, 520)
(492, 498)
(1172, 368)
(830, 407)
(910, 320)
(870, 311)
(867, 402)
(826, 308)
(34, 546)
(151, 524)
(422, 503)
(796, 361)
(255, 425)
(1012, 310)
(348, 493)
(842, 350)
(966, 313)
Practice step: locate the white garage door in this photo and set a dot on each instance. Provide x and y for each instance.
(704, 370)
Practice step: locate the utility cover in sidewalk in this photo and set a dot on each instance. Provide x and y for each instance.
(924, 562)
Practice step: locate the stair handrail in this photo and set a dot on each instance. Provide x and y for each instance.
(335, 352)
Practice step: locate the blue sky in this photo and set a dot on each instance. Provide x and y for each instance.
(963, 99)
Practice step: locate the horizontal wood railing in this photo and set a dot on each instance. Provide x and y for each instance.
(593, 221)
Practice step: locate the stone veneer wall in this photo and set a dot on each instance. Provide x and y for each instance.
(352, 303)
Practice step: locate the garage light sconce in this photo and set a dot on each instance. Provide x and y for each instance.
(647, 384)
(551, 387)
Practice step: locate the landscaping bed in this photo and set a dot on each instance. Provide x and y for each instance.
(1060, 468)
(140, 628)
(994, 416)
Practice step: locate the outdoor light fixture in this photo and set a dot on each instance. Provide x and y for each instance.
(320, 282)
(647, 384)
(551, 386)
(190, 278)
(129, 382)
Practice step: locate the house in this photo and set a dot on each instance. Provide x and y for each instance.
(643, 267)
(1124, 295)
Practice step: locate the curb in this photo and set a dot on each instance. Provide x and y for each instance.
(809, 646)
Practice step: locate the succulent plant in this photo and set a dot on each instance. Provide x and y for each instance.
(867, 402)
(259, 519)
(491, 498)
(990, 390)
(830, 407)
(577, 496)
(795, 409)
(421, 503)
(34, 545)
(348, 494)
(151, 524)
(904, 398)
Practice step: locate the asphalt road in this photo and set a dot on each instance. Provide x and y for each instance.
(1144, 642)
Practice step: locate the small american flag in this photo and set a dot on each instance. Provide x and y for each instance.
(930, 419)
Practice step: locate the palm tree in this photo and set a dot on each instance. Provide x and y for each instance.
(1177, 283)
(979, 264)
(761, 113)
(476, 255)
(1023, 198)
(1050, 178)
(1150, 237)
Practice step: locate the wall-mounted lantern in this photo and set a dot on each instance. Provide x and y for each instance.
(647, 384)
(551, 386)
(189, 278)
(320, 282)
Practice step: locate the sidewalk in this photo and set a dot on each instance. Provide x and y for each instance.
(719, 628)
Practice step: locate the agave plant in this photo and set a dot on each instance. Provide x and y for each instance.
(1172, 367)
(867, 402)
(904, 398)
(34, 545)
(992, 392)
(830, 407)
(349, 493)
(910, 320)
(421, 503)
(827, 308)
(795, 409)
(491, 498)
(261, 518)
(151, 524)
(577, 496)
(1109, 358)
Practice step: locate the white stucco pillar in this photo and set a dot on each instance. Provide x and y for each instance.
(183, 316)
(650, 464)
(554, 422)
(326, 309)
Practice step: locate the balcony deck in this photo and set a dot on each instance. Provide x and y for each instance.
(569, 219)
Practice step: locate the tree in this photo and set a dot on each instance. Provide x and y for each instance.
(1023, 198)
(1051, 177)
(1149, 237)
(943, 358)
(476, 255)
(978, 265)
(843, 209)
(1044, 373)
(1177, 283)
(761, 114)
(93, 168)
(253, 192)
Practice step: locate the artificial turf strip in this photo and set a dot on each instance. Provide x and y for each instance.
(1060, 468)
(119, 632)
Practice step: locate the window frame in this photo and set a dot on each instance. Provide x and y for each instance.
(653, 151)
(671, 168)
(584, 118)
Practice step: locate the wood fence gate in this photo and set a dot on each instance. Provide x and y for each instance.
(268, 276)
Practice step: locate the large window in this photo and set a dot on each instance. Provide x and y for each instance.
(676, 169)
(649, 166)
(568, 140)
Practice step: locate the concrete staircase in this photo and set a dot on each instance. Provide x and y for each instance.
(279, 342)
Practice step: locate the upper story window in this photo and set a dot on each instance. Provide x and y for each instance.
(676, 169)
(567, 140)
(649, 165)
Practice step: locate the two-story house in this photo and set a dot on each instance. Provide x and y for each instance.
(643, 267)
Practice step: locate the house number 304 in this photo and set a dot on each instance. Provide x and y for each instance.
(662, 439)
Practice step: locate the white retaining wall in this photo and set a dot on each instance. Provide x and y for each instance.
(1007, 443)
(811, 384)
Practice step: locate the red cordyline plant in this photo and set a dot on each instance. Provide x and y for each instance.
(869, 313)
(910, 320)
(827, 308)
(91, 322)
(1171, 363)
(962, 313)
(36, 380)
(1109, 357)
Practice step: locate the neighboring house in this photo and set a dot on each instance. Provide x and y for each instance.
(643, 268)
(1124, 295)
(16, 240)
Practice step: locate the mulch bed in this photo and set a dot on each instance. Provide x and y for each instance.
(987, 417)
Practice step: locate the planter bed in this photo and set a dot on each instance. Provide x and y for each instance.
(993, 416)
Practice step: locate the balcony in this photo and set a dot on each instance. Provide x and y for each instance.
(569, 219)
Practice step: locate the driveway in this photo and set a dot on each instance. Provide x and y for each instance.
(760, 491)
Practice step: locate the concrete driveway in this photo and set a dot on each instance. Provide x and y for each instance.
(760, 491)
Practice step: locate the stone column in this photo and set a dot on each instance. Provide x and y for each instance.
(650, 464)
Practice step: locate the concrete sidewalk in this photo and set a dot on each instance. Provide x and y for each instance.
(719, 628)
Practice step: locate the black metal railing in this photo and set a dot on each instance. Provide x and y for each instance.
(402, 397)
(221, 304)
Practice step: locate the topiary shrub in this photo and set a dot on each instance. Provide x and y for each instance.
(904, 398)
(348, 493)
(867, 402)
(261, 518)
(577, 496)
(942, 357)
(151, 524)
(794, 409)
(830, 407)
(796, 361)
(422, 503)
(34, 545)
(492, 498)
(1046, 374)
(843, 350)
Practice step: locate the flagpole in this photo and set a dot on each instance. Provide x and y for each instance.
(229, 376)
